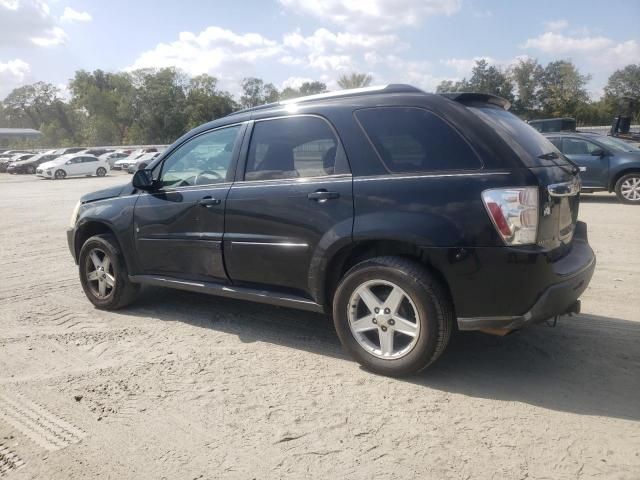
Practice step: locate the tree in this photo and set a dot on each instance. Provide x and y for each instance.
(562, 89)
(355, 80)
(526, 76)
(204, 102)
(484, 78)
(623, 83)
(307, 88)
(256, 92)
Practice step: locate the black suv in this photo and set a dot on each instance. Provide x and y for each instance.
(404, 214)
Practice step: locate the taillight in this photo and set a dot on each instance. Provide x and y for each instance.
(514, 212)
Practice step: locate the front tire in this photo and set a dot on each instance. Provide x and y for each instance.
(628, 188)
(103, 274)
(31, 169)
(101, 172)
(60, 175)
(392, 315)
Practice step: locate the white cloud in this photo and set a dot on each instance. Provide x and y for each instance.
(557, 43)
(71, 15)
(463, 66)
(295, 82)
(12, 74)
(52, 37)
(556, 24)
(373, 15)
(217, 51)
(28, 22)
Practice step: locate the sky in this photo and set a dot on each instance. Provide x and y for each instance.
(287, 42)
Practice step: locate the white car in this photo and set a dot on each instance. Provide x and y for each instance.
(135, 155)
(142, 161)
(73, 165)
(113, 157)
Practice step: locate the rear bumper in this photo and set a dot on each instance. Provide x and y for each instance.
(572, 274)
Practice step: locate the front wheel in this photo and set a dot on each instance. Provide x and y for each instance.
(60, 175)
(628, 188)
(103, 274)
(392, 315)
(101, 172)
(31, 169)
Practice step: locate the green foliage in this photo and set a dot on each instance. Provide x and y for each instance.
(355, 80)
(256, 92)
(307, 88)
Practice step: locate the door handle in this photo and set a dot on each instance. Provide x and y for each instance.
(322, 195)
(209, 202)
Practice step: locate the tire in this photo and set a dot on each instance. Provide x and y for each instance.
(118, 290)
(101, 172)
(628, 188)
(59, 175)
(31, 169)
(431, 323)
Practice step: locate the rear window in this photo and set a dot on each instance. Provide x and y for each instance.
(410, 139)
(525, 140)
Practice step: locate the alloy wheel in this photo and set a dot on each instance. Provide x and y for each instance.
(383, 319)
(101, 172)
(60, 174)
(99, 273)
(630, 189)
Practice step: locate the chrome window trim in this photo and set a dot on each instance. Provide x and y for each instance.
(343, 177)
(272, 244)
(372, 178)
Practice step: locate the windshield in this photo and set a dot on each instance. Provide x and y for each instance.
(533, 148)
(616, 144)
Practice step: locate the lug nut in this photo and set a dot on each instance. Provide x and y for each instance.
(392, 321)
(383, 328)
(376, 310)
(374, 320)
(387, 311)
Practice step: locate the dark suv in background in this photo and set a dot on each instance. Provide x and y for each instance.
(405, 215)
(606, 164)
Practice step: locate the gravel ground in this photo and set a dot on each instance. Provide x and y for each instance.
(187, 386)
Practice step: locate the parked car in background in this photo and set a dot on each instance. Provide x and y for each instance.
(553, 124)
(606, 164)
(113, 157)
(68, 150)
(142, 162)
(6, 162)
(73, 165)
(402, 213)
(97, 151)
(11, 153)
(124, 163)
(30, 165)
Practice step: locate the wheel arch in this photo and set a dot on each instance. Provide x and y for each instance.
(87, 230)
(620, 174)
(350, 255)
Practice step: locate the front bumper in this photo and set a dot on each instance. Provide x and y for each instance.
(573, 274)
(71, 242)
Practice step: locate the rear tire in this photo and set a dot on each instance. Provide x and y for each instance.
(413, 322)
(101, 172)
(60, 175)
(628, 188)
(103, 274)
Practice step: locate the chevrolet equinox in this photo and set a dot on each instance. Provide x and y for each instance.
(405, 215)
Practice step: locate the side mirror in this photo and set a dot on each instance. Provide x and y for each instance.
(598, 153)
(143, 179)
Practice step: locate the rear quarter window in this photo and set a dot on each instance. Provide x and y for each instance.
(410, 139)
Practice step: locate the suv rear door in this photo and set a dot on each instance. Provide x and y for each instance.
(591, 157)
(293, 199)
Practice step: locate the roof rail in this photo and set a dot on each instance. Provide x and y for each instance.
(468, 97)
(352, 92)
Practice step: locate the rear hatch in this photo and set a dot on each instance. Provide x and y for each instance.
(558, 178)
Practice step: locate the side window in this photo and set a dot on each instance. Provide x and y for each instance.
(292, 147)
(576, 146)
(415, 140)
(203, 160)
(89, 159)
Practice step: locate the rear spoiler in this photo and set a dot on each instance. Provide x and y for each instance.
(472, 97)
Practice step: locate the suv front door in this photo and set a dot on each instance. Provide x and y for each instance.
(585, 154)
(294, 199)
(178, 227)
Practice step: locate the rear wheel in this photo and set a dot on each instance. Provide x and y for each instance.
(101, 172)
(628, 188)
(392, 315)
(60, 175)
(103, 274)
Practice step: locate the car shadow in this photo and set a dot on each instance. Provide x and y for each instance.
(587, 364)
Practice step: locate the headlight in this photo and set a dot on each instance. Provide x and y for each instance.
(49, 170)
(74, 215)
